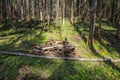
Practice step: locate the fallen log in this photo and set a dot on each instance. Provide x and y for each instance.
(59, 45)
(62, 58)
(59, 50)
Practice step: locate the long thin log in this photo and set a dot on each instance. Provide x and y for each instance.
(61, 58)
(54, 46)
(50, 47)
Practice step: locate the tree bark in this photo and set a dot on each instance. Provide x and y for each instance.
(4, 14)
(63, 17)
(72, 12)
(22, 12)
(27, 10)
(48, 13)
(118, 31)
(99, 29)
(0, 10)
(100, 15)
(92, 23)
(57, 11)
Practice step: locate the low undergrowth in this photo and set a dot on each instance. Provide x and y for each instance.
(21, 38)
(14, 67)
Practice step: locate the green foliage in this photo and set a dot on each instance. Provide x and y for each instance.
(56, 69)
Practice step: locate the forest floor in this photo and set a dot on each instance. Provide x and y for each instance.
(12, 67)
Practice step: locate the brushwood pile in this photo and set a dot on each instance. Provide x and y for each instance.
(54, 48)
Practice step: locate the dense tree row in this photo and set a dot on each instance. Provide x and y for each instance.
(84, 10)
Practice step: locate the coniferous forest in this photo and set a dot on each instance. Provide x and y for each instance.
(59, 39)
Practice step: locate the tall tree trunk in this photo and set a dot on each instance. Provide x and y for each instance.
(112, 10)
(63, 15)
(9, 10)
(100, 15)
(48, 12)
(72, 12)
(27, 10)
(22, 11)
(0, 11)
(41, 11)
(92, 23)
(118, 30)
(33, 9)
(99, 29)
(30, 9)
(38, 10)
(13, 9)
(57, 11)
(4, 14)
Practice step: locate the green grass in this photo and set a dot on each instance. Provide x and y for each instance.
(20, 39)
(47, 69)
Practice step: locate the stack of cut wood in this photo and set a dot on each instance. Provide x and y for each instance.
(54, 48)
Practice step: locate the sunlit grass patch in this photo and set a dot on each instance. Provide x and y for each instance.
(21, 38)
(14, 66)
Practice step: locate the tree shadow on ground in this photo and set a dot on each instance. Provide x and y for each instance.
(18, 24)
(109, 62)
(95, 52)
(14, 67)
(110, 35)
(57, 28)
(108, 23)
(107, 35)
(77, 27)
(111, 38)
(67, 71)
(21, 31)
(10, 46)
(24, 44)
(82, 32)
(64, 71)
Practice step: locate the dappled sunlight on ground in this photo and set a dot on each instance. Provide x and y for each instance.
(33, 68)
(21, 38)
